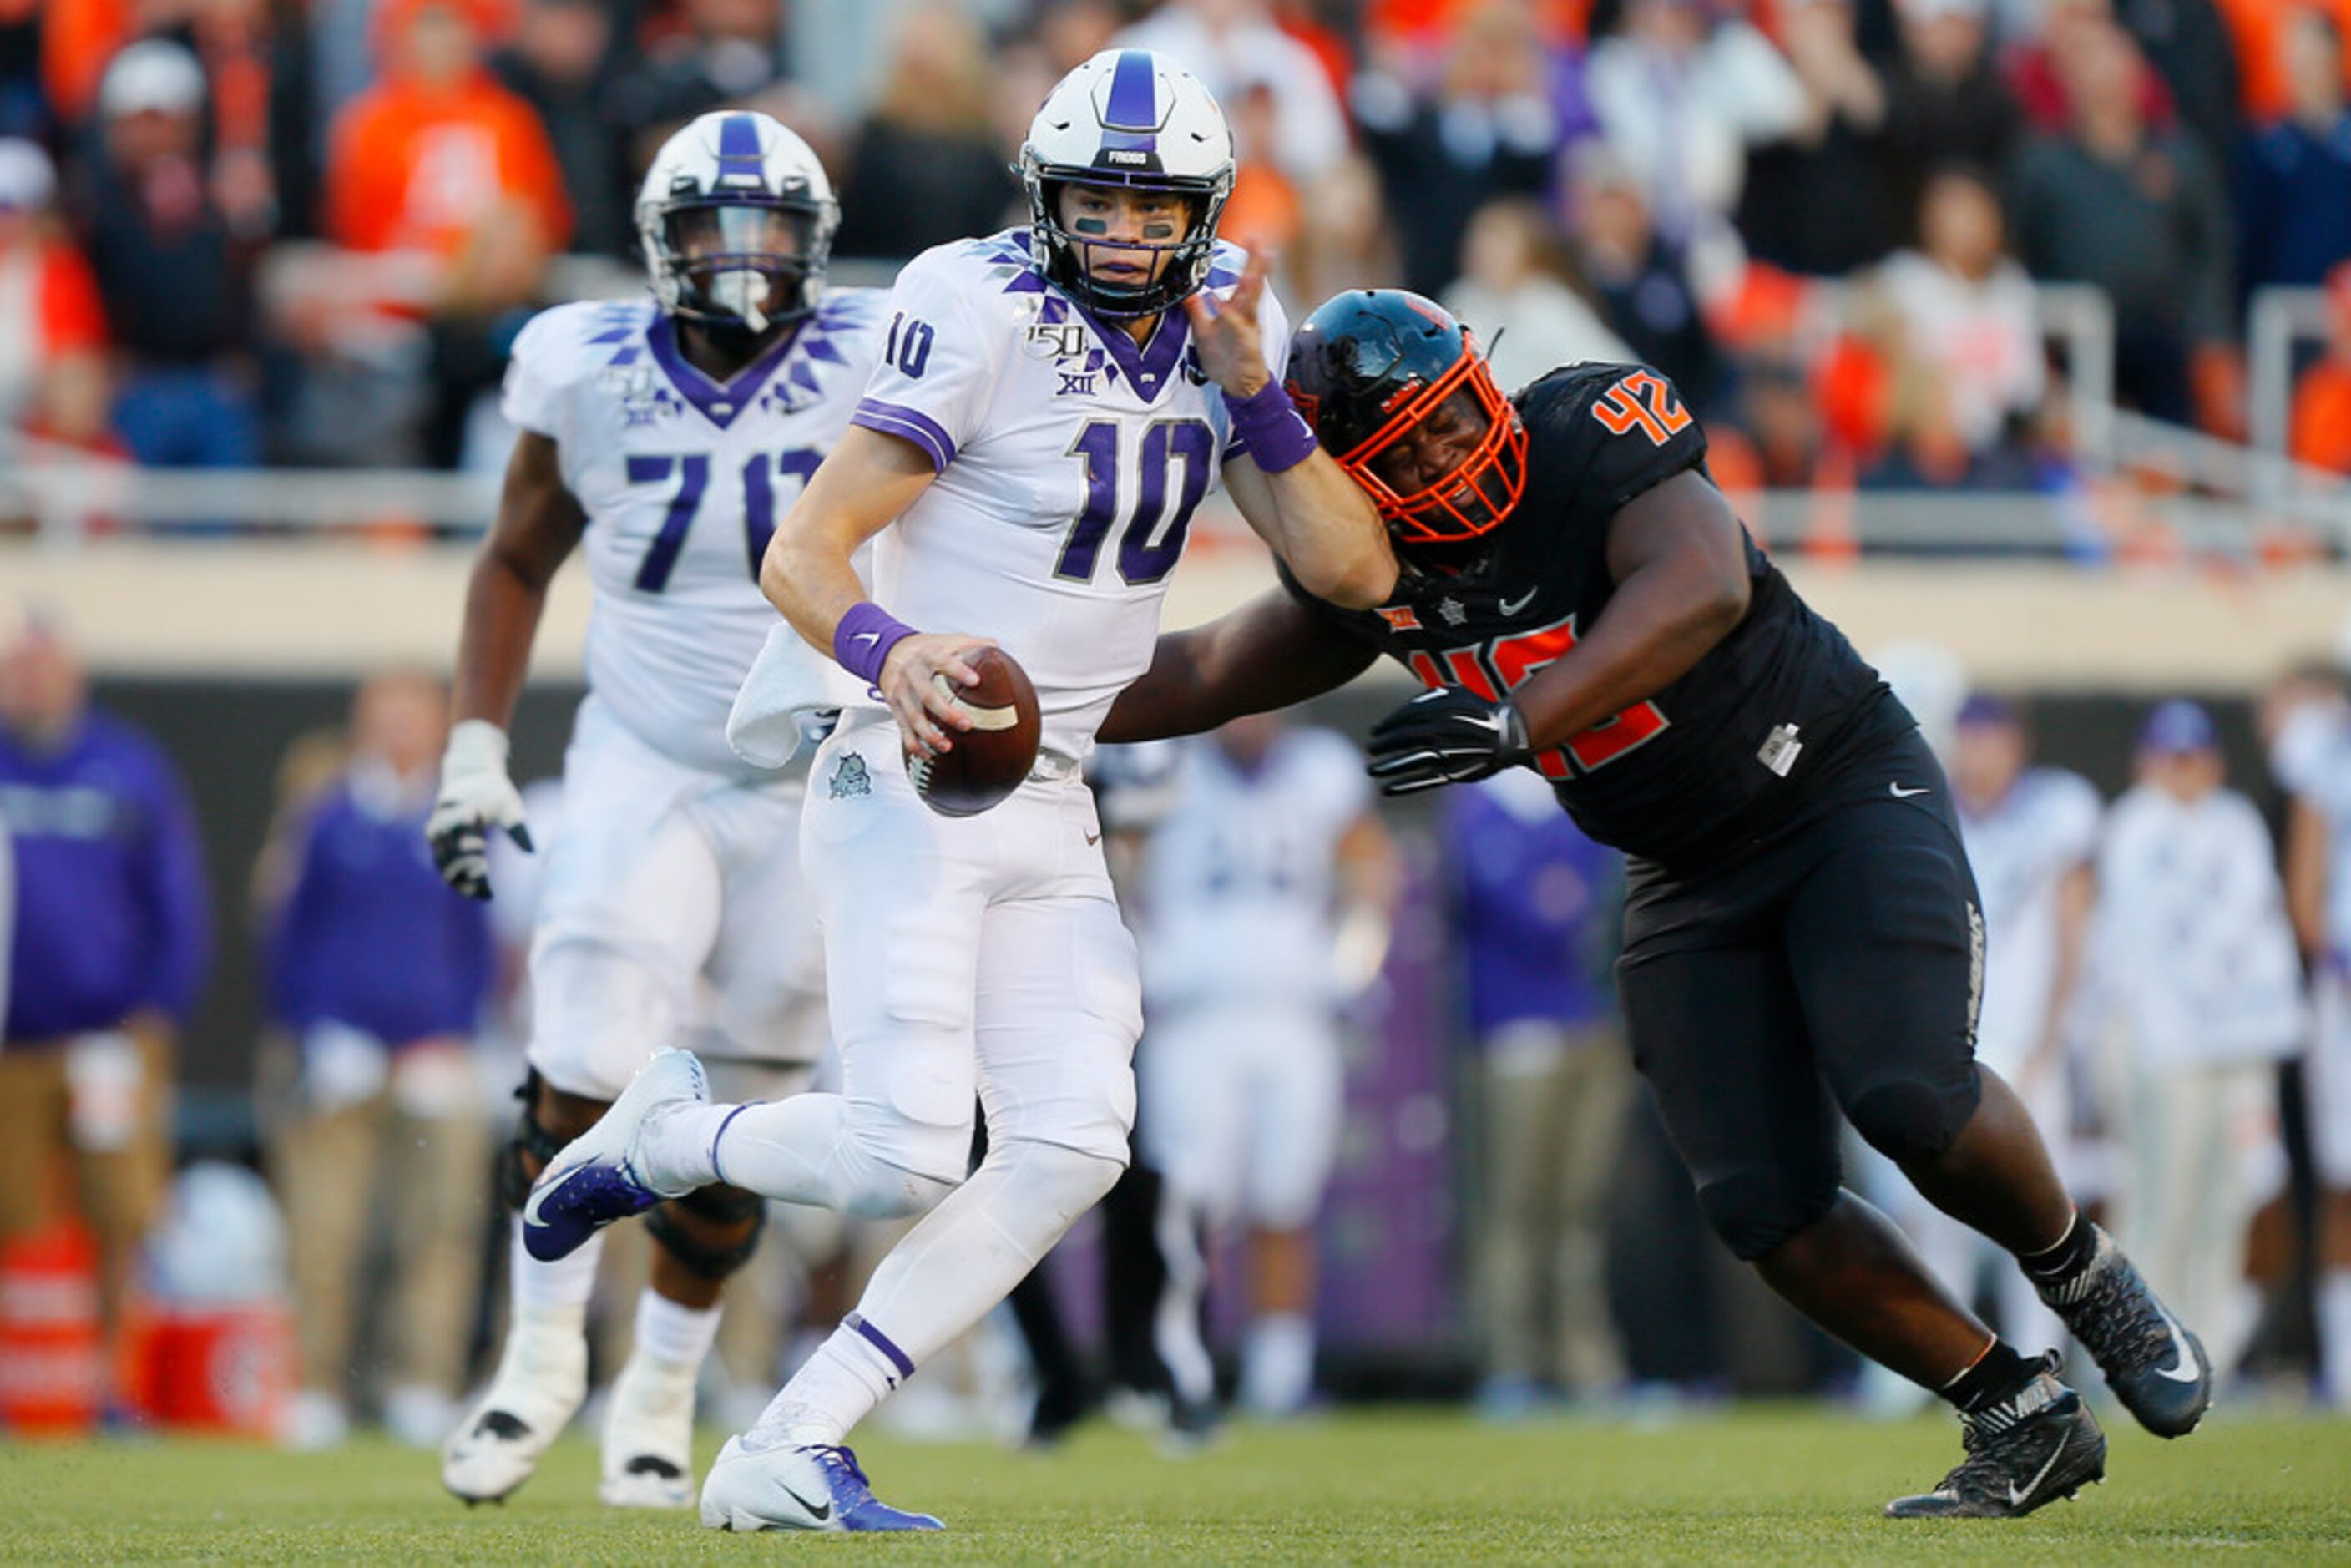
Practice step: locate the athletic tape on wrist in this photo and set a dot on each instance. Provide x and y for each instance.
(865, 638)
(1270, 425)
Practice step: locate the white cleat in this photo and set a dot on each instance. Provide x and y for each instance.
(796, 1487)
(542, 1379)
(649, 1438)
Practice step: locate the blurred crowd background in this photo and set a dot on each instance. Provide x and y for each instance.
(305, 231)
(1972, 251)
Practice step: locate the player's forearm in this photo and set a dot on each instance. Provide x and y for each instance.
(1325, 528)
(811, 581)
(1664, 619)
(503, 604)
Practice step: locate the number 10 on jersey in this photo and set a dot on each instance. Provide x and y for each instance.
(1146, 551)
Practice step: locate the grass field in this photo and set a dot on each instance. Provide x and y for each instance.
(1770, 1485)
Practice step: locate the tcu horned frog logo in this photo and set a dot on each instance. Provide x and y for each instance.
(849, 778)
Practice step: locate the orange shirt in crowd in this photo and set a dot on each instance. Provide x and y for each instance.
(78, 38)
(2258, 28)
(2322, 417)
(411, 169)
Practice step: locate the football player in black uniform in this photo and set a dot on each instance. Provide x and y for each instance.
(1802, 934)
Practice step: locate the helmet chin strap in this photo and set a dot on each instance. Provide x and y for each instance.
(741, 291)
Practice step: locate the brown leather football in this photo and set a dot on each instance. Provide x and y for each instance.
(989, 760)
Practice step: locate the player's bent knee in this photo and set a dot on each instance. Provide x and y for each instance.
(711, 1231)
(1755, 1211)
(1908, 1121)
(1054, 1182)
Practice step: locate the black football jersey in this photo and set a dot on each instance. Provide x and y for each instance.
(1713, 756)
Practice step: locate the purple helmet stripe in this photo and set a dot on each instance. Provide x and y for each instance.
(1132, 105)
(739, 152)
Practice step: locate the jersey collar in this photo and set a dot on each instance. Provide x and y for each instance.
(720, 402)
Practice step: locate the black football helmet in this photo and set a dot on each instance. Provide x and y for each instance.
(1371, 363)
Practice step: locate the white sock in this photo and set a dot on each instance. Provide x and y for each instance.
(833, 1391)
(677, 1337)
(941, 1278)
(2334, 1333)
(1278, 1363)
(560, 1287)
(795, 1151)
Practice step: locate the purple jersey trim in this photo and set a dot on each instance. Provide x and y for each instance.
(908, 424)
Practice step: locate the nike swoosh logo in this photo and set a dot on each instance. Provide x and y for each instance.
(866, 637)
(1512, 606)
(816, 1509)
(2017, 1494)
(1900, 793)
(1093, 838)
(2184, 1367)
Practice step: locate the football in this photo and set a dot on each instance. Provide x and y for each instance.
(990, 759)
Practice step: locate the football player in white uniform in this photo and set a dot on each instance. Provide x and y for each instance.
(1052, 404)
(2032, 835)
(2309, 753)
(680, 428)
(1267, 894)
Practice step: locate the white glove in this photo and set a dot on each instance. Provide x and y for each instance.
(476, 796)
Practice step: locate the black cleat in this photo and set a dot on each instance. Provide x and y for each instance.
(2040, 1443)
(2156, 1367)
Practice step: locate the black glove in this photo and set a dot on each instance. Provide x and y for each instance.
(1445, 736)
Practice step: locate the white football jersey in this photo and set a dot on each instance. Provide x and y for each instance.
(2022, 850)
(683, 479)
(1238, 892)
(1070, 465)
(2312, 758)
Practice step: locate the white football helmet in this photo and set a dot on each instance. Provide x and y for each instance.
(737, 220)
(1128, 118)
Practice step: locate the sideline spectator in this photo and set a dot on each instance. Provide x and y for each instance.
(562, 63)
(177, 272)
(2293, 182)
(1513, 294)
(2137, 211)
(1490, 129)
(1344, 239)
(52, 325)
(1681, 96)
(2201, 994)
(112, 935)
(1970, 324)
(380, 977)
(1233, 46)
(1815, 200)
(2257, 26)
(452, 177)
(1944, 101)
(924, 168)
(1641, 279)
(1537, 907)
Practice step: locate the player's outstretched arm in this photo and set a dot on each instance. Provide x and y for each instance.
(1293, 494)
(866, 483)
(1269, 654)
(539, 525)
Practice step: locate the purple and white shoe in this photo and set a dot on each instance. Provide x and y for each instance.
(797, 1486)
(597, 1178)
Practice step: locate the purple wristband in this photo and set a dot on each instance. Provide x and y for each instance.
(865, 638)
(1268, 427)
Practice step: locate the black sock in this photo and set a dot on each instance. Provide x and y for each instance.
(1998, 1372)
(2067, 1259)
